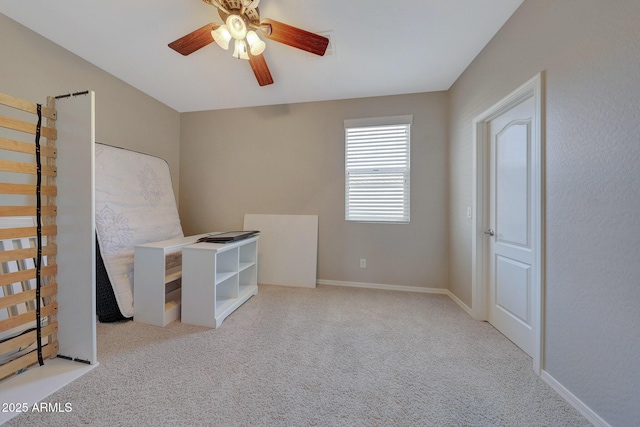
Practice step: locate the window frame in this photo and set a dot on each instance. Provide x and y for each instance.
(378, 169)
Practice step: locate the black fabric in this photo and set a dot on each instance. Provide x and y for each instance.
(39, 235)
(106, 304)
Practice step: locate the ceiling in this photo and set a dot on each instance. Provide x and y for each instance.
(380, 47)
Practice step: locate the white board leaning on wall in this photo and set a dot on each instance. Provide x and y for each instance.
(288, 248)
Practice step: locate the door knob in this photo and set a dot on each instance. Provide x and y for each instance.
(489, 232)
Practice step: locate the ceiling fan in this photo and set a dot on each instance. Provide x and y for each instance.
(242, 24)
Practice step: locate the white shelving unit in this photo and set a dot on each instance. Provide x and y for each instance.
(217, 279)
(153, 302)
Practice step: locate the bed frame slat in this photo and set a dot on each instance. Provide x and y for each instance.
(28, 106)
(50, 350)
(29, 168)
(26, 147)
(26, 127)
(26, 339)
(45, 291)
(18, 252)
(26, 189)
(17, 233)
(27, 210)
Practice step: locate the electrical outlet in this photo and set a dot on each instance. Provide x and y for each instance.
(363, 263)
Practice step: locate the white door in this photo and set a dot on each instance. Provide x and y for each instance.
(511, 225)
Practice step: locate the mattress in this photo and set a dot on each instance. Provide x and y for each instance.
(134, 204)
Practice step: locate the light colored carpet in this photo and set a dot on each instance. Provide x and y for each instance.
(329, 356)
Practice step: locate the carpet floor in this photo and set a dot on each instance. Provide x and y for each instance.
(329, 356)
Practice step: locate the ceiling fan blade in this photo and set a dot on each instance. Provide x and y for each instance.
(295, 37)
(260, 69)
(193, 41)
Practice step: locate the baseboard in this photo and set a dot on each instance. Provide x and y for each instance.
(382, 286)
(573, 400)
(437, 291)
(462, 305)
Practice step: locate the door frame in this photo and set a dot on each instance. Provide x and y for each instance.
(480, 245)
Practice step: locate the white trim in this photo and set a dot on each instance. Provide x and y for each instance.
(379, 121)
(532, 88)
(580, 406)
(478, 244)
(460, 303)
(420, 289)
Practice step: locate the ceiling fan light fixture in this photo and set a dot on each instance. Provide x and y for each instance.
(237, 27)
(256, 46)
(240, 50)
(222, 36)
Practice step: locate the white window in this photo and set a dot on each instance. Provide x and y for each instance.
(377, 169)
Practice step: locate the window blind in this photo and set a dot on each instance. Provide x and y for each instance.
(377, 161)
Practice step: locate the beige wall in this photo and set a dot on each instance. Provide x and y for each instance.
(32, 68)
(289, 159)
(590, 53)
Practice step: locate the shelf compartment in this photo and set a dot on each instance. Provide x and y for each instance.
(172, 306)
(246, 290)
(247, 277)
(227, 262)
(224, 304)
(221, 277)
(244, 265)
(248, 253)
(228, 288)
(173, 274)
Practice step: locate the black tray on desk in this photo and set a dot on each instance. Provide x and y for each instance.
(228, 236)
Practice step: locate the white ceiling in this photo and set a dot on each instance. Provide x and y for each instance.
(381, 47)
